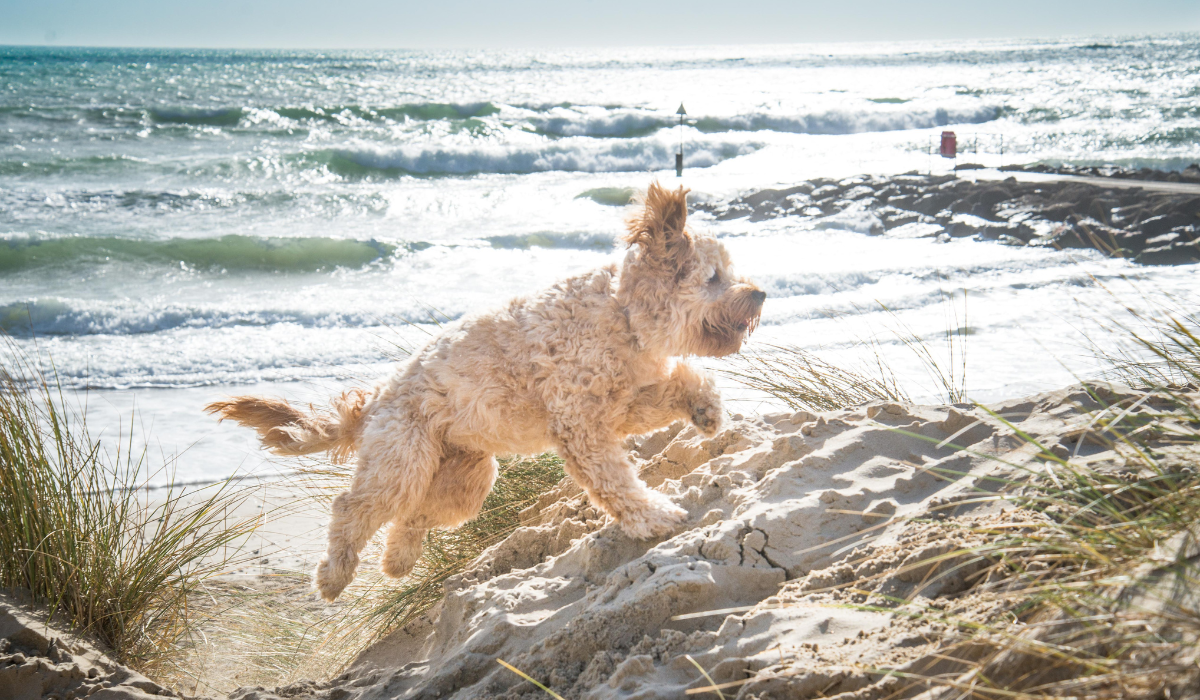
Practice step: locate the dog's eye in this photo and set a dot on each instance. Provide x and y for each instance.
(715, 278)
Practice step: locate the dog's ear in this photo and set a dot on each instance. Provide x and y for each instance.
(659, 227)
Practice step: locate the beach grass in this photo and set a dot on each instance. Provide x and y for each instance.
(84, 537)
(1103, 590)
(804, 380)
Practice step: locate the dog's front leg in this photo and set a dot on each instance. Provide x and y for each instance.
(688, 394)
(602, 469)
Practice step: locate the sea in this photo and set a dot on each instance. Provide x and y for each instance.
(179, 225)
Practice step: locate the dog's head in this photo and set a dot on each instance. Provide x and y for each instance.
(678, 287)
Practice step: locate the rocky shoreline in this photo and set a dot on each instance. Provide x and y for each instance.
(1190, 174)
(1150, 227)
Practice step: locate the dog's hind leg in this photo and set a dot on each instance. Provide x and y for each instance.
(462, 482)
(393, 476)
(356, 515)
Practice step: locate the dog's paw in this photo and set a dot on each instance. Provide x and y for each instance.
(658, 517)
(333, 575)
(707, 414)
(401, 554)
(703, 402)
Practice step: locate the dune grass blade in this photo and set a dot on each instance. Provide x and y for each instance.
(804, 381)
(712, 685)
(529, 678)
(81, 535)
(949, 375)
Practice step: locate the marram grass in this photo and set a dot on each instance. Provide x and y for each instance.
(82, 536)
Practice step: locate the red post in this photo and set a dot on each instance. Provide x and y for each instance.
(949, 144)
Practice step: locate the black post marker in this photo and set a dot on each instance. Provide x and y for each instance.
(679, 156)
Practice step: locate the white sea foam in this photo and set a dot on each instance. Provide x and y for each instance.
(852, 121)
(569, 155)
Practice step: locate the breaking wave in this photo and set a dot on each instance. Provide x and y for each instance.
(578, 241)
(625, 122)
(565, 156)
(846, 122)
(55, 316)
(232, 252)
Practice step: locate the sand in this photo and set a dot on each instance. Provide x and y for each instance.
(37, 661)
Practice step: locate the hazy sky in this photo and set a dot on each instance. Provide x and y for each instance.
(559, 23)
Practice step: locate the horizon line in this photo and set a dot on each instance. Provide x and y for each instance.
(842, 42)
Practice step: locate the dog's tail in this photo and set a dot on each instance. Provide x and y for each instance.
(286, 430)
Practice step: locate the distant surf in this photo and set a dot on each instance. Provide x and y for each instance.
(228, 253)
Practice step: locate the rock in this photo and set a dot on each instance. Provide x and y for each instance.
(1120, 222)
(1175, 253)
(1158, 225)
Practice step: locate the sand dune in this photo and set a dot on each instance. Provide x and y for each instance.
(784, 508)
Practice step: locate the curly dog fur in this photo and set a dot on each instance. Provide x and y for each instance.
(576, 368)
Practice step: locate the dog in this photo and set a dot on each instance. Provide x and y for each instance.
(575, 368)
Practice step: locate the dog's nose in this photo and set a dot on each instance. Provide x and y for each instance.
(758, 296)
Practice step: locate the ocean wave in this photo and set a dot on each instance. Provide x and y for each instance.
(84, 165)
(609, 196)
(573, 155)
(577, 240)
(416, 111)
(200, 117)
(597, 122)
(51, 316)
(231, 252)
(611, 121)
(627, 122)
(849, 122)
(246, 115)
(28, 203)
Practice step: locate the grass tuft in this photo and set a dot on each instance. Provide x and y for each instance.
(1106, 586)
(82, 534)
(805, 382)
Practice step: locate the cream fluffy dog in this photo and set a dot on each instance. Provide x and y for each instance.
(576, 368)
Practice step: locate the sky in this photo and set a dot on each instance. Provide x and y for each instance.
(398, 24)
